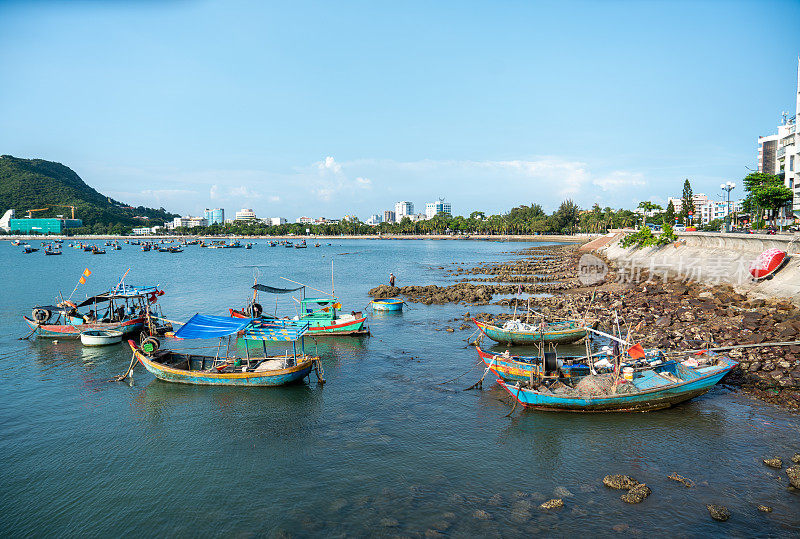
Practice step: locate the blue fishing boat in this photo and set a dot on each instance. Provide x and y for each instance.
(517, 332)
(515, 368)
(230, 369)
(388, 304)
(647, 389)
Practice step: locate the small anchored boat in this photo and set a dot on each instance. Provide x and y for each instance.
(100, 337)
(231, 369)
(388, 304)
(518, 332)
(640, 390)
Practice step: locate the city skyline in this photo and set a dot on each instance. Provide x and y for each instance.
(262, 119)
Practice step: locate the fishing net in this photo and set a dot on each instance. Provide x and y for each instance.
(601, 385)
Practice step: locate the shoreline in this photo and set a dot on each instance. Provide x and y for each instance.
(560, 238)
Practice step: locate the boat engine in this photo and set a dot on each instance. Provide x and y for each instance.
(41, 315)
(254, 310)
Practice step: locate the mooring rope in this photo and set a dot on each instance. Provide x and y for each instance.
(460, 375)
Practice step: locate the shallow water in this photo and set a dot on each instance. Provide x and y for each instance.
(382, 448)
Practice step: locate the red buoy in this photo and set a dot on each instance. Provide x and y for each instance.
(767, 263)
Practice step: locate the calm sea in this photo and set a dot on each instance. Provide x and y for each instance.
(382, 449)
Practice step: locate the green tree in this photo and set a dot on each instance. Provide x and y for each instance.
(669, 214)
(687, 204)
(765, 192)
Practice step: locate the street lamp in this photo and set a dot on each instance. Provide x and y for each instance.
(728, 187)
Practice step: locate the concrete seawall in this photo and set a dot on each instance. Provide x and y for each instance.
(713, 258)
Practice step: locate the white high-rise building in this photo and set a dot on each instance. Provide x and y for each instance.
(403, 209)
(374, 220)
(780, 153)
(245, 214)
(432, 209)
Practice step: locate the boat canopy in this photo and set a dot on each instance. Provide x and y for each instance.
(123, 292)
(274, 290)
(277, 330)
(319, 301)
(202, 326)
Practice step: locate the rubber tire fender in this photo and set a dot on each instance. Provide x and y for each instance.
(41, 315)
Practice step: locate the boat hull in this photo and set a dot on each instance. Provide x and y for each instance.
(645, 401)
(512, 370)
(100, 337)
(318, 328)
(274, 378)
(560, 336)
(393, 304)
(74, 330)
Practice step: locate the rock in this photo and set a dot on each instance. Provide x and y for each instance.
(433, 533)
(688, 483)
(450, 330)
(619, 481)
(796, 458)
(497, 499)
(555, 503)
(664, 321)
(389, 523)
(562, 492)
(718, 512)
(774, 462)
(794, 475)
(480, 514)
(765, 508)
(637, 494)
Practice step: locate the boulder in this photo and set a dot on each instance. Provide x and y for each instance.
(774, 462)
(555, 503)
(718, 512)
(680, 479)
(637, 494)
(619, 482)
(794, 475)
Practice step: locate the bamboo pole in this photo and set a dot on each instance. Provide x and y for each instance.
(305, 285)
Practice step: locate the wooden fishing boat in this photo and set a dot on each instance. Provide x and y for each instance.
(516, 332)
(230, 369)
(515, 368)
(125, 308)
(648, 389)
(28, 249)
(49, 251)
(100, 337)
(321, 314)
(388, 304)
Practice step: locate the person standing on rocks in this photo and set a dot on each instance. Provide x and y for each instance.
(391, 279)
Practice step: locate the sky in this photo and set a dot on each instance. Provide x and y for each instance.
(333, 108)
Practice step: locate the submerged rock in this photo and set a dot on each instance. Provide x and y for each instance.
(637, 494)
(389, 523)
(480, 514)
(619, 482)
(497, 499)
(774, 462)
(796, 458)
(680, 479)
(562, 492)
(718, 512)
(555, 503)
(765, 508)
(794, 475)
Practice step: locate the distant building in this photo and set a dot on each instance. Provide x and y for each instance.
(245, 214)
(432, 209)
(403, 209)
(767, 152)
(6, 219)
(350, 218)
(215, 216)
(785, 161)
(305, 220)
(275, 221)
(388, 216)
(374, 220)
(41, 226)
(188, 222)
(418, 217)
(142, 231)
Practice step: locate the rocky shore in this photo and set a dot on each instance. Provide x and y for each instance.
(671, 315)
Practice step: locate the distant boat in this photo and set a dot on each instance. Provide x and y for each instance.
(28, 249)
(517, 332)
(98, 251)
(389, 304)
(49, 251)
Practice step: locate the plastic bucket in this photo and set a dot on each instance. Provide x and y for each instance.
(627, 373)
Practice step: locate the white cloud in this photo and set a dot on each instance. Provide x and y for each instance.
(243, 191)
(213, 193)
(274, 198)
(329, 164)
(619, 179)
(363, 181)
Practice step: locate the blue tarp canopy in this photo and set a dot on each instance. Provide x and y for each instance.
(275, 290)
(276, 330)
(202, 326)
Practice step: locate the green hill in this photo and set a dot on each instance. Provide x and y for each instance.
(35, 183)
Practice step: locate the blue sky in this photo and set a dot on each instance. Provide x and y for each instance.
(331, 108)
